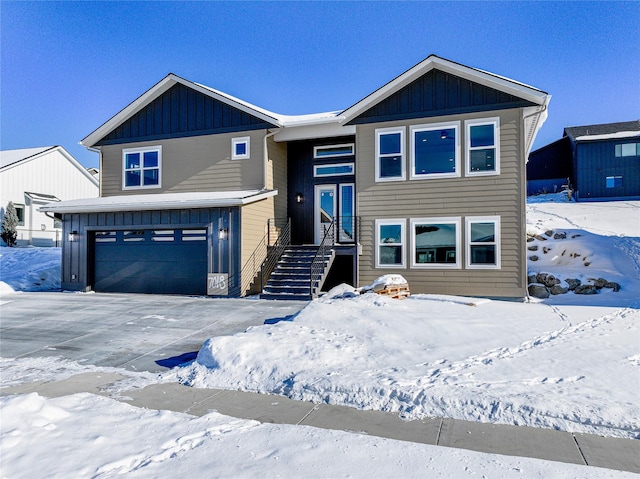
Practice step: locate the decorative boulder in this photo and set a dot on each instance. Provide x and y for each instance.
(537, 290)
(573, 283)
(612, 285)
(532, 278)
(586, 289)
(557, 289)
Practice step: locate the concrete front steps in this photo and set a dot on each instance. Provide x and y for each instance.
(291, 278)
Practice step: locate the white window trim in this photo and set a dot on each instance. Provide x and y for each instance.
(430, 127)
(483, 219)
(395, 221)
(456, 220)
(386, 131)
(322, 175)
(341, 145)
(236, 141)
(141, 150)
(495, 121)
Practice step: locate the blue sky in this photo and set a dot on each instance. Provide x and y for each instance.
(67, 67)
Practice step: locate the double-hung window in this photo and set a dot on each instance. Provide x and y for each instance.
(435, 243)
(483, 146)
(390, 243)
(141, 167)
(483, 242)
(390, 154)
(240, 148)
(435, 150)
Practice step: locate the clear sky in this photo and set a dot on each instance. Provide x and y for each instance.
(67, 67)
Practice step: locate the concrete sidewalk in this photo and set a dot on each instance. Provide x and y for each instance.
(590, 450)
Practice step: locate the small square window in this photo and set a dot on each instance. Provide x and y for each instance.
(613, 181)
(141, 167)
(240, 148)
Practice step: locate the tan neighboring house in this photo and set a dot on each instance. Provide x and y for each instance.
(34, 177)
(203, 193)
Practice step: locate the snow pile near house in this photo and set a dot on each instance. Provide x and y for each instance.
(569, 365)
(29, 269)
(109, 439)
(513, 363)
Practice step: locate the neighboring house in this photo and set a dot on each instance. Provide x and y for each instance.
(424, 177)
(601, 162)
(34, 177)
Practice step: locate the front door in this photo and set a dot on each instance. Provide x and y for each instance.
(325, 210)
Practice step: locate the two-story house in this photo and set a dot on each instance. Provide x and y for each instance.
(424, 177)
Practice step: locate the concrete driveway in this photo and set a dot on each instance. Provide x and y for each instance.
(132, 331)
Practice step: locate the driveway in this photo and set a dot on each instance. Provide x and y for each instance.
(132, 331)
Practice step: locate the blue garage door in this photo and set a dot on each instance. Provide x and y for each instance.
(163, 261)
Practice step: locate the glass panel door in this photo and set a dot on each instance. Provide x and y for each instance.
(325, 209)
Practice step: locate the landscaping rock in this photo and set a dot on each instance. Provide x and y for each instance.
(540, 238)
(533, 247)
(532, 279)
(538, 291)
(573, 283)
(557, 289)
(598, 283)
(612, 285)
(533, 258)
(549, 233)
(586, 289)
(560, 236)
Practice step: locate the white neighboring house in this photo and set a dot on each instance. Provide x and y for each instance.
(34, 177)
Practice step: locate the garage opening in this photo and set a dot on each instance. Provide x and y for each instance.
(161, 261)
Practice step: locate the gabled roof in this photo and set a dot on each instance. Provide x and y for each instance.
(13, 158)
(604, 131)
(171, 79)
(481, 77)
(9, 157)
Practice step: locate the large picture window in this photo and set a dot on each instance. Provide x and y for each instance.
(390, 243)
(435, 150)
(483, 147)
(390, 154)
(435, 243)
(483, 242)
(141, 167)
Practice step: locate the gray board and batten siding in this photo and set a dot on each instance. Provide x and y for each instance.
(183, 225)
(438, 93)
(182, 112)
(594, 161)
(498, 195)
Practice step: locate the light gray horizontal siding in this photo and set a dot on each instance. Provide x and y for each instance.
(199, 163)
(501, 195)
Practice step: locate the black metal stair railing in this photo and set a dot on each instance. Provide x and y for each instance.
(274, 253)
(318, 266)
(264, 258)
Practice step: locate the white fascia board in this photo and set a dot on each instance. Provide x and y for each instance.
(534, 117)
(165, 201)
(158, 89)
(312, 131)
(477, 76)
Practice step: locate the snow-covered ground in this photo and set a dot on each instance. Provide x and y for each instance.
(568, 362)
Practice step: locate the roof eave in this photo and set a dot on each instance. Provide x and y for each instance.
(155, 205)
